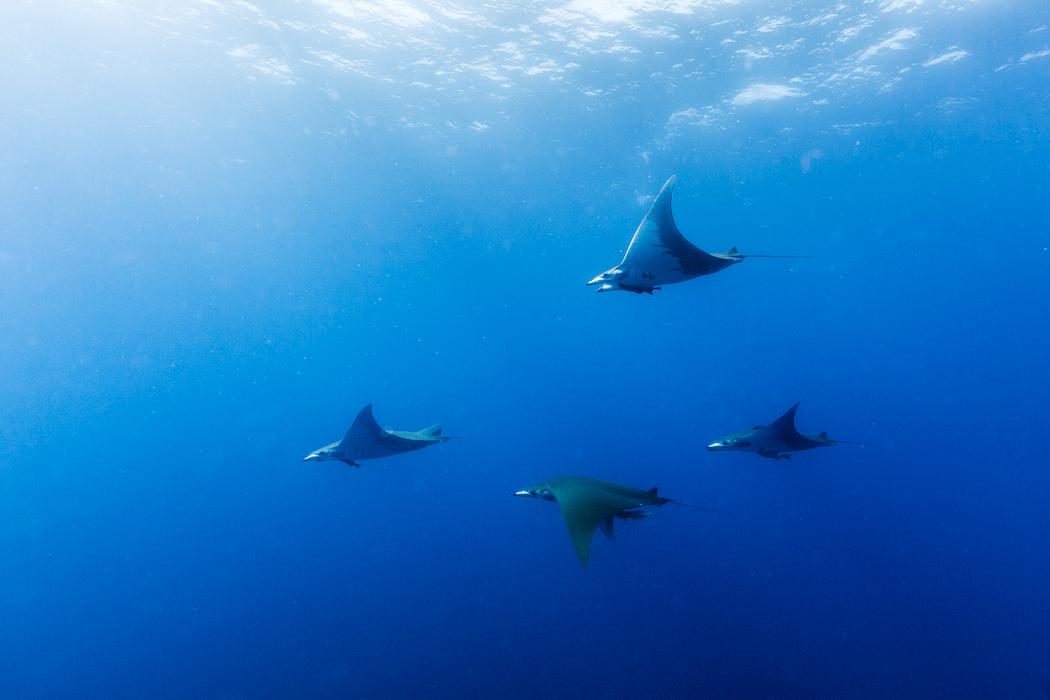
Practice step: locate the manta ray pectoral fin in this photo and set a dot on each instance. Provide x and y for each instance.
(586, 507)
(783, 428)
(788, 418)
(432, 430)
(364, 427)
(581, 541)
(659, 249)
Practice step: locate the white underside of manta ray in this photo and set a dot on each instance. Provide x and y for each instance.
(659, 254)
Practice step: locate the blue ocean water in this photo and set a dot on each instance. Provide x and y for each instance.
(225, 227)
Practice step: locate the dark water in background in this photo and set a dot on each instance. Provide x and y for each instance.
(206, 269)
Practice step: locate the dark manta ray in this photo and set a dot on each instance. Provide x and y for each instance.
(776, 440)
(588, 504)
(659, 253)
(367, 440)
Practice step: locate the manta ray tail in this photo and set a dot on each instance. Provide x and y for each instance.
(690, 505)
(733, 252)
(782, 257)
(824, 436)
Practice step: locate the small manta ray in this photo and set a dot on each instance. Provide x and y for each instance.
(659, 253)
(367, 440)
(588, 504)
(775, 441)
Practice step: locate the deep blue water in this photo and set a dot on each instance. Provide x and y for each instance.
(224, 228)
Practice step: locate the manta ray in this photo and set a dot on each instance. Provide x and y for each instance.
(587, 504)
(659, 254)
(775, 441)
(367, 440)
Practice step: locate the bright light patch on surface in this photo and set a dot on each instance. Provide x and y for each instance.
(949, 57)
(392, 12)
(764, 92)
(1034, 55)
(264, 65)
(894, 42)
(906, 6)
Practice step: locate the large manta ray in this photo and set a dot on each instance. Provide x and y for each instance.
(775, 441)
(659, 254)
(588, 504)
(367, 440)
